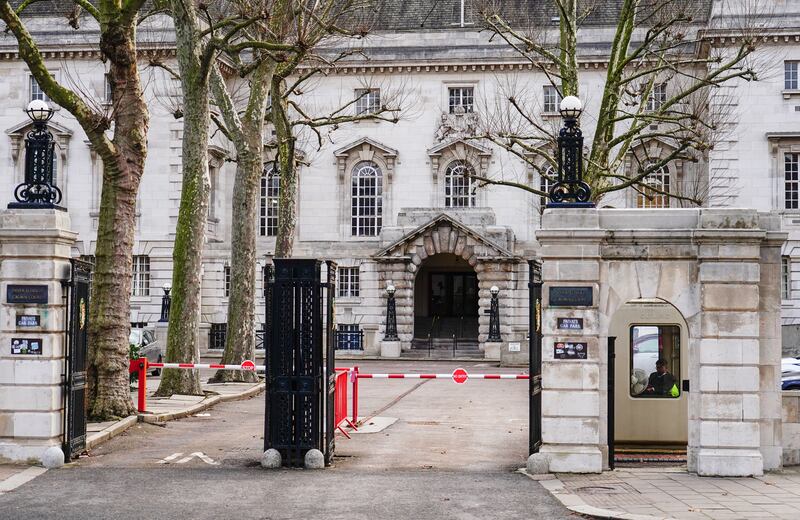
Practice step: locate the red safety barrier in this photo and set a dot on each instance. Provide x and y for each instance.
(141, 366)
(458, 375)
(340, 402)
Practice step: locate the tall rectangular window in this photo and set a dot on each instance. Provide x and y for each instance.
(791, 177)
(270, 192)
(108, 95)
(348, 282)
(551, 100)
(786, 278)
(36, 91)
(227, 276)
(657, 98)
(790, 81)
(140, 285)
(462, 99)
(368, 100)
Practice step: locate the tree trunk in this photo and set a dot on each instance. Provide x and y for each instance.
(240, 338)
(287, 198)
(240, 341)
(109, 308)
(187, 254)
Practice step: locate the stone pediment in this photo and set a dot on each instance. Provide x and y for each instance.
(468, 147)
(17, 134)
(365, 149)
(359, 144)
(443, 234)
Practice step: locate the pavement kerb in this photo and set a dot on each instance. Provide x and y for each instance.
(112, 431)
(206, 403)
(576, 504)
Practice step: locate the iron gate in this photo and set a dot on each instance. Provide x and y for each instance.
(535, 357)
(330, 363)
(297, 393)
(78, 288)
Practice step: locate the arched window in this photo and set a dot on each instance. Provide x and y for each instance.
(459, 185)
(657, 197)
(270, 189)
(366, 197)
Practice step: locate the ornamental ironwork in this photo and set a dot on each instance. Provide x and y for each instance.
(38, 190)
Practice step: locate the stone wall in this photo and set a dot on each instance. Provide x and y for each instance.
(791, 427)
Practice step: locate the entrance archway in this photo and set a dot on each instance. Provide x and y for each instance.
(652, 362)
(446, 303)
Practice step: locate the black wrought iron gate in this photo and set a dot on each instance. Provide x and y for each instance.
(535, 357)
(298, 391)
(78, 288)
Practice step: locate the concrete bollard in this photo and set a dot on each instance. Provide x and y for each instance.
(271, 459)
(53, 457)
(314, 459)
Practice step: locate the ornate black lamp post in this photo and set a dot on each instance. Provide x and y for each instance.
(166, 301)
(569, 190)
(38, 191)
(391, 316)
(494, 316)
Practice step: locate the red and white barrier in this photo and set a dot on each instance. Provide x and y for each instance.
(243, 366)
(442, 376)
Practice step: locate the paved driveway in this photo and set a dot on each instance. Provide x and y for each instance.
(451, 453)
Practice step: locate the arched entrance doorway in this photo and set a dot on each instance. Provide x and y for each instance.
(446, 304)
(652, 361)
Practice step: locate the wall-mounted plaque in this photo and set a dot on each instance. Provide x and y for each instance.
(26, 294)
(570, 350)
(26, 346)
(570, 323)
(29, 320)
(514, 347)
(571, 296)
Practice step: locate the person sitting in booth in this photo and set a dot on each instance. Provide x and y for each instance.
(661, 382)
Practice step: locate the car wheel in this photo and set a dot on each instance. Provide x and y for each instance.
(157, 371)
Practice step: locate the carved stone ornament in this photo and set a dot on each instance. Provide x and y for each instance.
(457, 125)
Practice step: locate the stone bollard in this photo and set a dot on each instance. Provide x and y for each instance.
(314, 459)
(271, 459)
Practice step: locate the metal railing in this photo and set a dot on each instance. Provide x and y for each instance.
(216, 336)
(430, 334)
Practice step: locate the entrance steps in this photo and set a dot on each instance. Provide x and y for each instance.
(442, 348)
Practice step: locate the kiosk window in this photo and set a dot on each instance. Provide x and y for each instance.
(655, 361)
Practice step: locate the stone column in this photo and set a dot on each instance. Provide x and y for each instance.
(729, 252)
(35, 250)
(401, 275)
(571, 388)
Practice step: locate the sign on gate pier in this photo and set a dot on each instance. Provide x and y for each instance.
(570, 323)
(571, 297)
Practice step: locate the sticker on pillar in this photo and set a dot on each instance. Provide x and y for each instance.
(23, 346)
(571, 350)
(514, 347)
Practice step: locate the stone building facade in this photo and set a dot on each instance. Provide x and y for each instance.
(441, 242)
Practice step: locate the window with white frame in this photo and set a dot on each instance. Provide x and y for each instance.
(140, 284)
(790, 80)
(368, 100)
(227, 276)
(786, 278)
(546, 181)
(791, 172)
(656, 192)
(268, 211)
(657, 97)
(551, 99)
(36, 91)
(459, 185)
(461, 99)
(366, 200)
(348, 282)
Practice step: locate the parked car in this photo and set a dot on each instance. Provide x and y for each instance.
(790, 373)
(645, 353)
(145, 342)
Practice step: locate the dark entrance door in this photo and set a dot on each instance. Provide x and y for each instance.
(454, 302)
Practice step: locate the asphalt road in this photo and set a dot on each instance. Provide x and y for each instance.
(452, 453)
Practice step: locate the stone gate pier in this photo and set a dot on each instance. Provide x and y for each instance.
(720, 268)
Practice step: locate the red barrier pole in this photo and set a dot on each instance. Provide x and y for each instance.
(355, 395)
(142, 384)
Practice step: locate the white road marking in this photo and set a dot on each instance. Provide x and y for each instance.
(167, 460)
(200, 455)
(15, 481)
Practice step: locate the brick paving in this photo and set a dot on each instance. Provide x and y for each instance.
(672, 493)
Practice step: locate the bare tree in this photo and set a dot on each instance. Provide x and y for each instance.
(276, 82)
(660, 75)
(123, 153)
